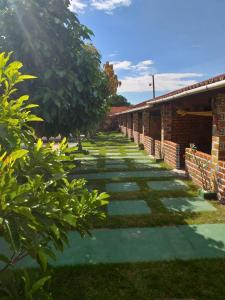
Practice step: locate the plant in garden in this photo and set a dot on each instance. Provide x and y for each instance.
(38, 204)
(203, 167)
(71, 87)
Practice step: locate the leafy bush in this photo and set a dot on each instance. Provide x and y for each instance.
(38, 204)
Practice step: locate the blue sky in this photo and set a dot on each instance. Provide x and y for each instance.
(181, 41)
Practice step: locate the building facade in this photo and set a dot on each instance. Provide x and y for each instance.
(186, 129)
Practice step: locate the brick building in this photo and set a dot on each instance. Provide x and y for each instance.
(111, 121)
(185, 128)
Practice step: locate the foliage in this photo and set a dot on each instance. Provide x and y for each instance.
(118, 100)
(38, 204)
(52, 43)
(203, 167)
(113, 82)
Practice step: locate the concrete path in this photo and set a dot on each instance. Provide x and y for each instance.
(143, 245)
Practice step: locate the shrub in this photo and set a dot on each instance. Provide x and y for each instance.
(38, 204)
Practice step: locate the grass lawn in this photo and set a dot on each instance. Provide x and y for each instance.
(203, 279)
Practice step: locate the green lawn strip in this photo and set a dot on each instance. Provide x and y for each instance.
(196, 280)
(186, 280)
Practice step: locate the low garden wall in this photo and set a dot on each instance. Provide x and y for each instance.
(198, 167)
(158, 152)
(171, 154)
(142, 138)
(136, 136)
(149, 145)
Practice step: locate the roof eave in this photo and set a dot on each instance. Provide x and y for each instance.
(133, 110)
(205, 88)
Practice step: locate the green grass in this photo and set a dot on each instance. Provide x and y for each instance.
(202, 280)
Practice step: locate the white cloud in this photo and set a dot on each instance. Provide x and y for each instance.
(109, 5)
(121, 65)
(142, 67)
(164, 82)
(78, 6)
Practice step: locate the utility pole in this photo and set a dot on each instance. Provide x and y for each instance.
(153, 85)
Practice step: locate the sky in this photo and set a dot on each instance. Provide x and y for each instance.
(181, 42)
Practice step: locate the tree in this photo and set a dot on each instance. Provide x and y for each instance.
(38, 204)
(118, 100)
(113, 82)
(71, 87)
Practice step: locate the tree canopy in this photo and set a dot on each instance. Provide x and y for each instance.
(71, 87)
(118, 100)
(113, 82)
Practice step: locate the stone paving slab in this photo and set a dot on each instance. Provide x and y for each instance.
(86, 158)
(122, 187)
(172, 185)
(144, 161)
(136, 153)
(114, 161)
(128, 208)
(129, 157)
(133, 245)
(116, 166)
(147, 166)
(127, 174)
(183, 204)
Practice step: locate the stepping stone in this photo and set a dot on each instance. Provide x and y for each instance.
(143, 160)
(128, 208)
(173, 185)
(86, 158)
(122, 187)
(130, 157)
(114, 161)
(147, 166)
(116, 167)
(135, 154)
(183, 204)
(128, 174)
(133, 245)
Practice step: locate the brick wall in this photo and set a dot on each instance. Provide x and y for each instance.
(142, 138)
(123, 130)
(136, 134)
(198, 167)
(220, 176)
(171, 154)
(158, 154)
(130, 126)
(149, 144)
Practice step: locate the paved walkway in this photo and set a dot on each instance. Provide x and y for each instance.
(122, 245)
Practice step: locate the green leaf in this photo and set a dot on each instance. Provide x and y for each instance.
(4, 258)
(24, 211)
(26, 77)
(18, 154)
(39, 144)
(33, 118)
(42, 259)
(70, 219)
(39, 284)
(56, 231)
